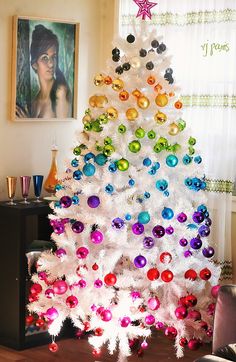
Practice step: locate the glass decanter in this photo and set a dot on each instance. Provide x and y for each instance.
(51, 180)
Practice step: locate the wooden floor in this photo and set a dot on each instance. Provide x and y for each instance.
(78, 350)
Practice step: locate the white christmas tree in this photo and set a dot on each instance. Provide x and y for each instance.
(131, 223)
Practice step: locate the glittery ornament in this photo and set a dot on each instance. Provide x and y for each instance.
(161, 100)
(140, 261)
(160, 117)
(118, 223)
(131, 114)
(145, 7)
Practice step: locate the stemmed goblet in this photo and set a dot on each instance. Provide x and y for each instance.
(11, 189)
(38, 182)
(25, 185)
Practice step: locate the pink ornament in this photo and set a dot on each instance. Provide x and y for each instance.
(106, 315)
(60, 252)
(135, 295)
(125, 321)
(154, 303)
(93, 308)
(159, 325)
(171, 332)
(195, 315)
(193, 344)
(100, 310)
(96, 237)
(144, 8)
(52, 314)
(82, 283)
(98, 283)
(209, 333)
(144, 345)
(82, 252)
(211, 309)
(42, 275)
(181, 312)
(149, 319)
(215, 291)
(49, 293)
(60, 287)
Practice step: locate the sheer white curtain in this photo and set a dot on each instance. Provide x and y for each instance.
(201, 37)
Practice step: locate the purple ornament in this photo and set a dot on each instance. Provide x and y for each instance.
(198, 217)
(98, 283)
(204, 231)
(158, 231)
(196, 243)
(117, 223)
(208, 252)
(138, 228)
(150, 319)
(58, 228)
(52, 314)
(65, 201)
(182, 217)
(148, 242)
(60, 252)
(93, 201)
(125, 321)
(208, 222)
(77, 227)
(183, 242)
(187, 253)
(96, 237)
(140, 261)
(82, 252)
(170, 230)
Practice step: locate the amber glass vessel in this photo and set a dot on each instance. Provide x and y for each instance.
(51, 180)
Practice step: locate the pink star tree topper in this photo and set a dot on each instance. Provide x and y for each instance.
(144, 8)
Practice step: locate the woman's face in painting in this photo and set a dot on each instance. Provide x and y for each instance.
(45, 65)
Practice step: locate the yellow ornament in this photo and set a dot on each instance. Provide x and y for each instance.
(101, 101)
(131, 114)
(93, 101)
(99, 80)
(86, 118)
(117, 84)
(112, 114)
(124, 95)
(136, 93)
(173, 129)
(160, 117)
(161, 100)
(143, 102)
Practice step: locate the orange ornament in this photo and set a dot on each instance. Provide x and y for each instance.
(136, 93)
(158, 87)
(178, 105)
(108, 80)
(151, 80)
(171, 94)
(161, 100)
(124, 95)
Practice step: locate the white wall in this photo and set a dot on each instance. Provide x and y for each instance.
(25, 146)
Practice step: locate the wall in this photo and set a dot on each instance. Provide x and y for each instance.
(25, 146)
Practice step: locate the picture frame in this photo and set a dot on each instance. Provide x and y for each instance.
(44, 69)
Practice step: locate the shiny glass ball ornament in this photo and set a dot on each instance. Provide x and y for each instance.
(49, 293)
(204, 231)
(152, 171)
(93, 101)
(173, 129)
(215, 290)
(98, 80)
(121, 128)
(147, 162)
(86, 119)
(178, 105)
(208, 222)
(158, 148)
(96, 127)
(151, 135)
(147, 195)
(192, 141)
(89, 169)
(131, 182)
(154, 43)
(139, 133)
(53, 347)
(134, 146)
(193, 344)
(208, 252)
(197, 159)
(87, 126)
(167, 213)
(161, 185)
(144, 217)
(172, 160)
(59, 287)
(101, 101)
(71, 301)
(161, 48)
(65, 201)
(100, 159)
(143, 102)
(117, 84)
(74, 163)
(165, 257)
(35, 288)
(198, 217)
(187, 253)
(202, 208)
(95, 267)
(151, 80)
(93, 201)
(124, 95)
(110, 279)
(119, 70)
(115, 51)
(182, 217)
(140, 261)
(138, 228)
(117, 223)
(112, 114)
(158, 87)
(106, 315)
(149, 319)
(142, 53)
(125, 321)
(109, 188)
(196, 243)
(122, 164)
(96, 237)
(161, 100)
(187, 160)
(135, 62)
(82, 252)
(136, 93)
(131, 114)
(128, 217)
(60, 253)
(160, 117)
(158, 231)
(170, 230)
(112, 168)
(130, 38)
(108, 150)
(183, 242)
(190, 274)
(116, 57)
(167, 276)
(153, 274)
(191, 150)
(181, 312)
(108, 80)
(77, 151)
(98, 332)
(148, 242)
(153, 303)
(149, 65)
(126, 66)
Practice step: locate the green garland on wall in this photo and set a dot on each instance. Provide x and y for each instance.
(219, 186)
(206, 100)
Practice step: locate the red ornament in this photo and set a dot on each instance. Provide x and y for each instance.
(181, 312)
(33, 297)
(190, 300)
(71, 301)
(153, 274)
(183, 341)
(53, 347)
(29, 320)
(203, 325)
(110, 279)
(95, 267)
(35, 288)
(215, 291)
(195, 315)
(171, 332)
(144, 8)
(165, 257)
(140, 352)
(86, 326)
(193, 344)
(96, 352)
(167, 276)
(39, 323)
(211, 308)
(205, 274)
(98, 332)
(190, 274)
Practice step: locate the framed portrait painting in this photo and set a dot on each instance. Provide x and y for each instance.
(44, 69)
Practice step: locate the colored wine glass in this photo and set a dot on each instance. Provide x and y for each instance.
(11, 189)
(38, 182)
(25, 185)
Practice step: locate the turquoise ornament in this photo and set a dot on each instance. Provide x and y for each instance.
(128, 217)
(187, 159)
(74, 163)
(89, 169)
(100, 159)
(172, 160)
(143, 217)
(75, 200)
(161, 185)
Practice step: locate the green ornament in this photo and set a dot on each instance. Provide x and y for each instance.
(158, 148)
(122, 164)
(139, 133)
(134, 146)
(77, 151)
(108, 150)
(88, 111)
(98, 147)
(151, 135)
(181, 124)
(192, 141)
(103, 118)
(87, 126)
(96, 127)
(121, 128)
(163, 142)
(176, 147)
(191, 150)
(107, 141)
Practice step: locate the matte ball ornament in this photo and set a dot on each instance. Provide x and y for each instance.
(190, 274)
(151, 135)
(151, 80)
(124, 95)
(153, 303)
(196, 243)
(153, 274)
(198, 217)
(117, 85)
(53, 347)
(112, 113)
(148, 242)
(193, 344)
(173, 129)
(143, 102)
(118, 223)
(158, 231)
(71, 301)
(93, 201)
(96, 237)
(167, 276)
(131, 114)
(139, 133)
(59, 287)
(208, 252)
(89, 169)
(77, 227)
(170, 230)
(144, 217)
(181, 312)
(82, 252)
(122, 164)
(149, 319)
(99, 80)
(35, 288)
(204, 231)
(110, 279)
(134, 146)
(140, 261)
(161, 100)
(135, 62)
(215, 290)
(167, 213)
(125, 322)
(106, 315)
(51, 314)
(138, 228)
(165, 257)
(130, 38)
(108, 80)
(172, 160)
(178, 105)
(171, 332)
(154, 43)
(65, 201)
(182, 217)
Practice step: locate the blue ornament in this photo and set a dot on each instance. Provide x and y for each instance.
(166, 193)
(172, 160)
(203, 185)
(147, 162)
(74, 163)
(88, 156)
(202, 208)
(57, 204)
(77, 175)
(197, 159)
(147, 195)
(128, 217)
(167, 213)
(75, 200)
(191, 226)
(196, 183)
(58, 187)
(152, 171)
(188, 182)
(156, 165)
(112, 167)
(143, 217)
(109, 188)
(161, 185)
(89, 169)
(100, 159)
(131, 182)
(206, 214)
(187, 159)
